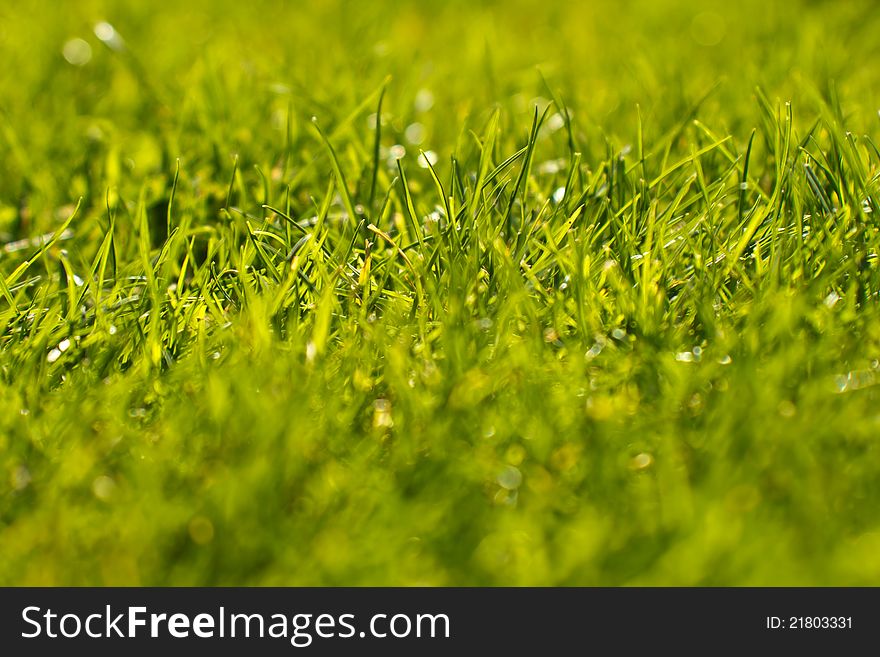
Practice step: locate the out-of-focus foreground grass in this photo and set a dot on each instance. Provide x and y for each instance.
(547, 293)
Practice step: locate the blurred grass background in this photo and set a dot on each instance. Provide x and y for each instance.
(221, 76)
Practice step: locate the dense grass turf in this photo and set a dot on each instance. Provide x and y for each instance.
(624, 331)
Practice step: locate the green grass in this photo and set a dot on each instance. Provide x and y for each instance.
(624, 331)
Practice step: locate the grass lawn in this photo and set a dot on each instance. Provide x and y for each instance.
(442, 293)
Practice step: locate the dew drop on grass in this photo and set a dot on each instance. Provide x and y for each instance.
(77, 52)
(64, 345)
(558, 195)
(642, 461)
(397, 151)
(855, 380)
(426, 158)
(109, 36)
(54, 355)
(103, 487)
(424, 100)
(593, 351)
(510, 478)
(415, 133)
(382, 414)
(104, 31)
(21, 478)
(555, 122)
